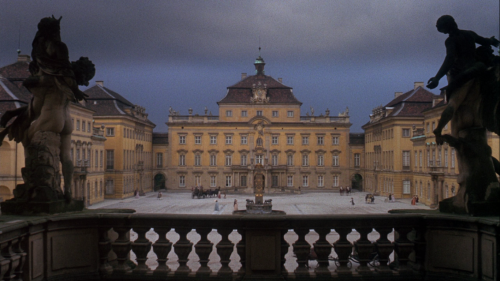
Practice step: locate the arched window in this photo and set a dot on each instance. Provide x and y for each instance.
(259, 142)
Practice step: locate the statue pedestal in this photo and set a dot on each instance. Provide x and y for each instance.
(17, 207)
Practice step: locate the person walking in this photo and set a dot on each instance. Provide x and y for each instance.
(352, 202)
(235, 205)
(159, 195)
(216, 206)
(413, 200)
(341, 191)
(224, 194)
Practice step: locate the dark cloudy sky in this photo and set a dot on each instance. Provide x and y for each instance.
(185, 53)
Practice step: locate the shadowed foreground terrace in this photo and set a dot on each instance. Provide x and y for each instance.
(96, 245)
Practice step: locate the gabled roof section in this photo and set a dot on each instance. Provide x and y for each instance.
(417, 95)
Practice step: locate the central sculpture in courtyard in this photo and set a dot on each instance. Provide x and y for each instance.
(473, 95)
(44, 127)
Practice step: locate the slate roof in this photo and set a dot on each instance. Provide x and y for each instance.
(12, 93)
(357, 138)
(160, 138)
(241, 92)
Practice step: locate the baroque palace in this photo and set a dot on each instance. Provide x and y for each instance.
(259, 124)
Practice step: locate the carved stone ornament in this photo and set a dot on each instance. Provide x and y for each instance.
(259, 93)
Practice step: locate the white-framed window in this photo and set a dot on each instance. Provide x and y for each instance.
(259, 112)
(335, 160)
(229, 139)
(243, 181)
(182, 139)
(289, 181)
(321, 160)
(110, 132)
(453, 158)
(406, 187)
(289, 140)
(335, 140)
(416, 159)
(244, 140)
(244, 113)
(321, 140)
(335, 180)
(213, 160)
(446, 157)
(197, 139)
(159, 160)
(229, 160)
(406, 133)
(305, 160)
(406, 158)
(321, 182)
(229, 182)
(197, 160)
(197, 180)
(274, 159)
(357, 159)
(289, 160)
(289, 113)
(213, 139)
(439, 158)
(213, 181)
(259, 159)
(182, 181)
(182, 160)
(274, 140)
(275, 113)
(305, 181)
(421, 160)
(243, 160)
(229, 113)
(305, 140)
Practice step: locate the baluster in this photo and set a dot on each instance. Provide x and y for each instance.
(121, 247)
(13, 258)
(19, 251)
(419, 241)
(162, 247)
(141, 247)
(4, 263)
(284, 250)
(384, 249)
(364, 248)
(203, 249)
(240, 249)
(322, 249)
(225, 249)
(301, 249)
(104, 248)
(403, 248)
(182, 248)
(343, 248)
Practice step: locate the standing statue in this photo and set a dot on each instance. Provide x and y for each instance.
(44, 127)
(473, 97)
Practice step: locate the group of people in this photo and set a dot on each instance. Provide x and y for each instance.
(346, 191)
(197, 189)
(392, 198)
(235, 205)
(414, 200)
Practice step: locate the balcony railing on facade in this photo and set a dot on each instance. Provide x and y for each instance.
(213, 119)
(125, 246)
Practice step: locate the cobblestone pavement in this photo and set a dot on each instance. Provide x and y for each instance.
(307, 203)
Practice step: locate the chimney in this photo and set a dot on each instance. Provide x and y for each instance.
(418, 84)
(99, 83)
(280, 80)
(243, 76)
(397, 94)
(23, 58)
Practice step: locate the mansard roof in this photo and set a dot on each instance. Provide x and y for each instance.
(12, 92)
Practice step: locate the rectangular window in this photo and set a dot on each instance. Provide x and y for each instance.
(243, 181)
(305, 140)
(228, 160)
(335, 181)
(406, 187)
(243, 160)
(213, 139)
(259, 159)
(453, 158)
(259, 112)
(321, 140)
(289, 181)
(274, 161)
(305, 160)
(428, 158)
(244, 140)
(274, 139)
(320, 181)
(416, 159)
(197, 139)
(197, 180)
(182, 139)
(357, 159)
(335, 160)
(102, 158)
(83, 126)
(305, 181)
(228, 181)
(406, 159)
(289, 113)
(78, 125)
(321, 160)
(182, 160)
(335, 140)
(197, 160)
(110, 187)
(96, 158)
(229, 113)
(213, 181)
(229, 139)
(406, 133)
(274, 180)
(213, 160)
(289, 140)
(275, 113)
(110, 132)
(428, 128)
(446, 158)
(420, 160)
(289, 160)
(110, 159)
(88, 127)
(182, 181)
(244, 113)
(159, 160)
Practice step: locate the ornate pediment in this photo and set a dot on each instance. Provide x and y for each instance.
(259, 93)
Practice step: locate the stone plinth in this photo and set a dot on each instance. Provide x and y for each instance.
(13, 207)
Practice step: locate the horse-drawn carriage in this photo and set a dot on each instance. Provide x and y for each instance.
(200, 193)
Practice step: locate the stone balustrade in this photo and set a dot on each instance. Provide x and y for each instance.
(101, 245)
